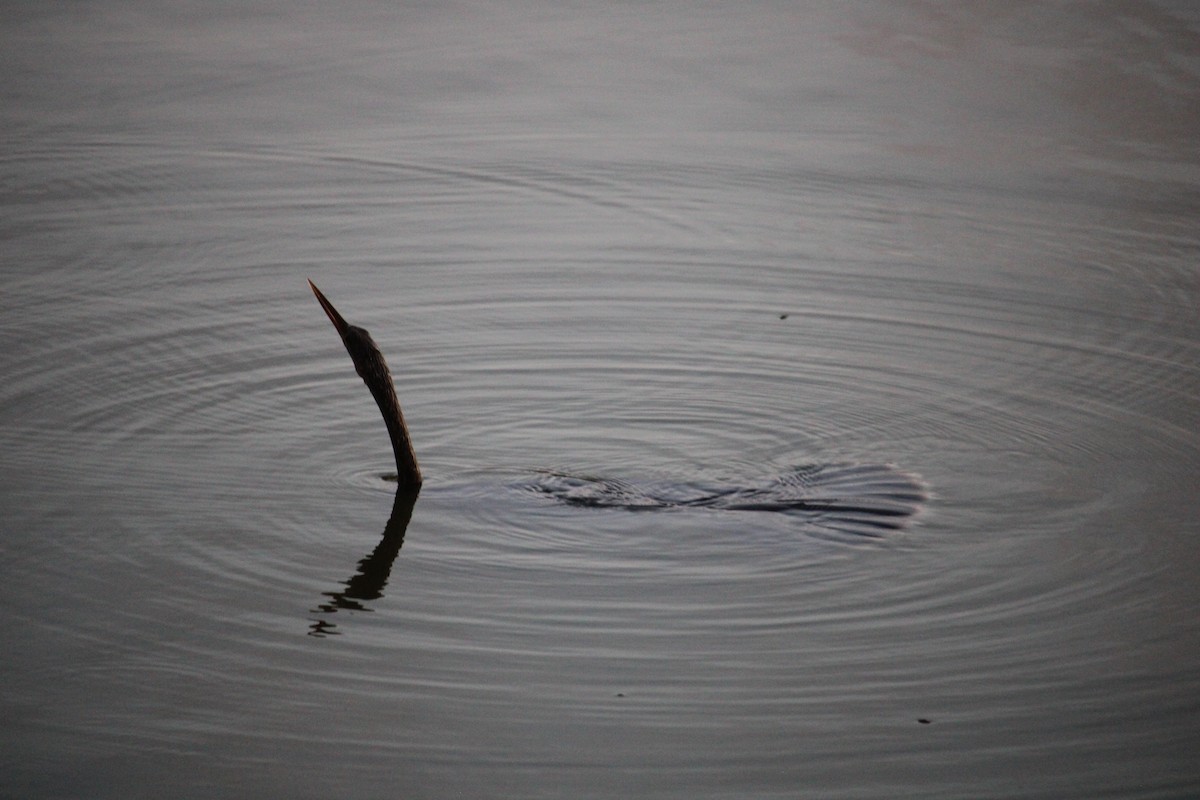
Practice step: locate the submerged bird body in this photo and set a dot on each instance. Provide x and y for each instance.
(373, 369)
(861, 500)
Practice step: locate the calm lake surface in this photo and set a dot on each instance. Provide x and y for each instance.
(669, 244)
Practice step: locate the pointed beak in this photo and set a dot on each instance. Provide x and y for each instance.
(330, 311)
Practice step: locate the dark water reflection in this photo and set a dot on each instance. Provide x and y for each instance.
(676, 248)
(373, 570)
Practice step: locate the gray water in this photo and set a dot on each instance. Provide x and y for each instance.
(663, 244)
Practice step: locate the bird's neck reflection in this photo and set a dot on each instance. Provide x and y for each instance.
(373, 569)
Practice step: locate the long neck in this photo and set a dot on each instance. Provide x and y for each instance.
(408, 472)
(372, 368)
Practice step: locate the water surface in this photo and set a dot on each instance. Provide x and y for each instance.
(665, 245)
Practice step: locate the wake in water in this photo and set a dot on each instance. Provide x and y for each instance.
(862, 499)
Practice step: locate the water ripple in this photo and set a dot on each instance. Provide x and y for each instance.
(194, 473)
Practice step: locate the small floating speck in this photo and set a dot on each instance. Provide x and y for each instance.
(924, 721)
(783, 316)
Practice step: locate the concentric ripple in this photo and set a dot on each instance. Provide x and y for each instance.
(754, 272)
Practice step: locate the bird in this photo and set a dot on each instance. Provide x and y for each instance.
(862, 500)
(373, 369)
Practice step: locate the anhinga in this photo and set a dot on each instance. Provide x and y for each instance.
(861, 499)
(372, 368)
